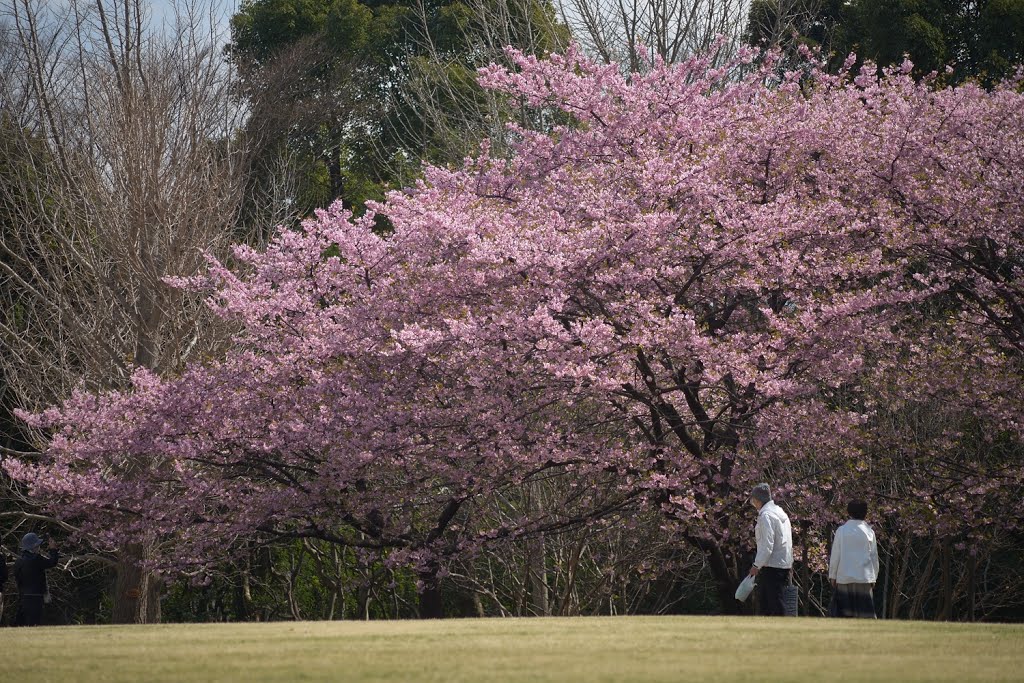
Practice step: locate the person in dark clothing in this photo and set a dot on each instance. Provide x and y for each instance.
(30, 575)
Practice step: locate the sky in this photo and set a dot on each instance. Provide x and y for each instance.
(163, 10)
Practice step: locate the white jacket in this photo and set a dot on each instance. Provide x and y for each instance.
(774, 536)
(854, 554)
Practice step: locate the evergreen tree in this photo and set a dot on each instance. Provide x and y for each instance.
(980, 39)
(358, 94)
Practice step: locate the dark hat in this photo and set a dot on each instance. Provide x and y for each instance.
(30, 541)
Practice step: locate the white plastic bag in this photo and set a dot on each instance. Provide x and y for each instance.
(745, 588)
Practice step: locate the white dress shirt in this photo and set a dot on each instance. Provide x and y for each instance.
(854, 554)
(774, 536)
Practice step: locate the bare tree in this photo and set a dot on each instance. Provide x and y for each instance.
(436, 111)
(122, 164)
(624, 562)
(631, 32)
(442, 115)
(784, 24)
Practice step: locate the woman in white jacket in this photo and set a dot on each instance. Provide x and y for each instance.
(853, 568)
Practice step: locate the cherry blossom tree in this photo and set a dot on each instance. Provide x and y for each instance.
(683, 285)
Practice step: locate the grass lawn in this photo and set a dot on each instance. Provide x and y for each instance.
(579, 649)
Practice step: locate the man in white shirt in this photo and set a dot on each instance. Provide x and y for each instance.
(774, 558)
(853, 567)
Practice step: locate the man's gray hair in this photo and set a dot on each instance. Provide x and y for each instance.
(761, 493)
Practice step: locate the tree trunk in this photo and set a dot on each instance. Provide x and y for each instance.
(363, 601)
(898, 581)
(805, 569)
(478, 605)
(539, 603)
(921, 592)
(972, 576)
(136, 597)
(537, 570)
(885, 568)
(336, 179)
(569, 603)
(154, 590)
(947, 581)
(726, 579)
(243, 595)
(431, 603)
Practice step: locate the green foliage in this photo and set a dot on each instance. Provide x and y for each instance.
(262, 27)
(999, 46)
(326, 77)
(981, 39)
(296, 580)
(886, 31)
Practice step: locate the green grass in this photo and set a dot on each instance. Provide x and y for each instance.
(580, 649)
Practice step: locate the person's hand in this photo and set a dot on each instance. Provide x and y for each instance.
(753, 571)
(833, 582)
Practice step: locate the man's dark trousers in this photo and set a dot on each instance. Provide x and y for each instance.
(770, 582)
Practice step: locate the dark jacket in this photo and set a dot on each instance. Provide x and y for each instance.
(30, 572)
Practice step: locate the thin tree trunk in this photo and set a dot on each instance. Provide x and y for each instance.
(805, 571)
(536, 550)
(539, 603)
(972, 590)
(334, 174)
(947, 581)
(898, 581)
(243, 596)
(363, 600)
(570, 605)
(916, 608)
(884, 575)
(478, 605)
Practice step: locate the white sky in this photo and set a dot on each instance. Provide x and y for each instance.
(220, 11)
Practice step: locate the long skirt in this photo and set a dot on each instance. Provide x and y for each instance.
(854, 600)
(30, 611)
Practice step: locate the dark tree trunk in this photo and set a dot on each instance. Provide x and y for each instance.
(726, 578)
(334, 174)
(947, 581)
(726, 591)
(431, 602)
(243, 593)
(972, 576)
